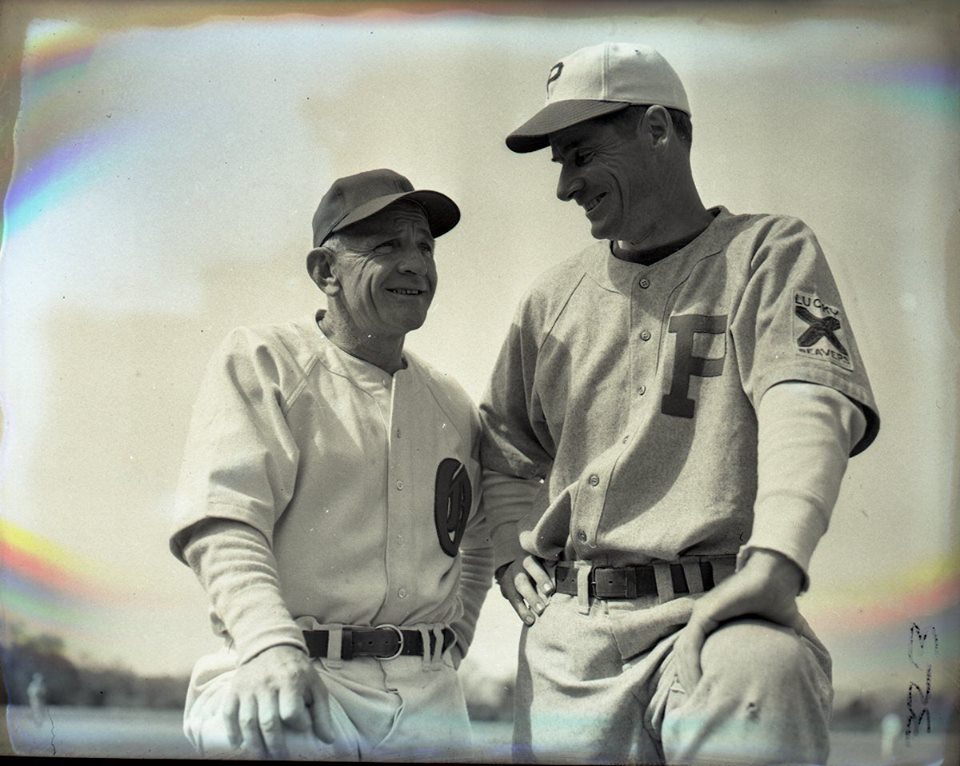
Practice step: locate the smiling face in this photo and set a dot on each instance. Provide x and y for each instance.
(612, 174)
(384, 276)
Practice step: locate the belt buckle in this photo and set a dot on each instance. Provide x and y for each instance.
(399, 635)
(614, 582)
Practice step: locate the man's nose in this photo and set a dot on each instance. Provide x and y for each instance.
(569, 183)
(413, 261)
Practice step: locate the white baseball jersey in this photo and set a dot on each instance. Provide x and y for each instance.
(632, 390)
(365, 485)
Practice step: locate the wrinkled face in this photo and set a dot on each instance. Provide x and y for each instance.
(386, 271)
(610, 175)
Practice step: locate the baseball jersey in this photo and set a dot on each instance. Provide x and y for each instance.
(631, 390)
(365, 485)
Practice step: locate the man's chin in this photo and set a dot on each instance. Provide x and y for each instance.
(411, 323)
(599, 230)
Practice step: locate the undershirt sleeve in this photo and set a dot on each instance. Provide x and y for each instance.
(238, 571)
(507, 499)
(476, 575)
(806, 434)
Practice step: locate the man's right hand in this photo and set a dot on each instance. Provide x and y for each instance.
(525, 584)
(276, 690)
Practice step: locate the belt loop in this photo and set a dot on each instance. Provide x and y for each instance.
(425, 656)
(335, 645)
(664, 579)
(691, 570)
(436, 658)
(583, 586)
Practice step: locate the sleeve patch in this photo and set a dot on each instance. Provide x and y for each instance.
(818, 330)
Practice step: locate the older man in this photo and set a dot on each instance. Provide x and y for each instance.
(666, 430)
(329, 506)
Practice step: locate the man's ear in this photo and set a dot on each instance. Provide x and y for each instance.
(320, 267)
(656, 123)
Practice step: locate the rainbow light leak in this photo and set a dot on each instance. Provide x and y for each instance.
(911, 593)
(55, 57)
(42, 584)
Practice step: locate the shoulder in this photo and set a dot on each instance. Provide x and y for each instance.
(256, 354)
(759, 238)
(280, 341)
(756, 227)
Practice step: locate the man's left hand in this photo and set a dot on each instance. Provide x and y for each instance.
(767, 587)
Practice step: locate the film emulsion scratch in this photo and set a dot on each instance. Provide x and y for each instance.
(918, 698)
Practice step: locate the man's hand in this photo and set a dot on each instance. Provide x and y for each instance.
(519, 585)
(766, 587)
(277, 689)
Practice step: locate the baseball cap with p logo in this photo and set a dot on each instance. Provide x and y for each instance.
(354, 198)
(598, 80)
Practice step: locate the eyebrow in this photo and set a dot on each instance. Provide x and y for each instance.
(571, 143)
(392, 232)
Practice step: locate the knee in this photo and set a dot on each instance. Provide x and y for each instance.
(754, 651)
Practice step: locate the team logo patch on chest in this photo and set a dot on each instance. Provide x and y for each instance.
(818, 330)
(451, 504)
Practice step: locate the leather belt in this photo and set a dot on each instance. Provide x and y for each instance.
(385, 642)
(636, 581)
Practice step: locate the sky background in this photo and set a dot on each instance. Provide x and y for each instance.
(167, 161)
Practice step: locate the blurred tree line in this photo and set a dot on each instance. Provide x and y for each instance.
(22, 654)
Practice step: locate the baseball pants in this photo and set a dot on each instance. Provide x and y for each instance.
(597, 685)
(401, 709)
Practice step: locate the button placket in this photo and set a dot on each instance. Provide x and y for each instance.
(401, 541)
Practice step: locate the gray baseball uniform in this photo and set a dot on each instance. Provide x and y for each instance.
(632, 391)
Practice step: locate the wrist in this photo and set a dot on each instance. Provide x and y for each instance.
(279, 651)
(779, 570)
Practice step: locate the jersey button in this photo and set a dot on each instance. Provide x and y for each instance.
(594, 480)
(581, 536)
(400, 484)
(644, 283)
(642, 390)
(402, 593)
(645, 335)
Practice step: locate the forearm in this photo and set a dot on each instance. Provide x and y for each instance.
(476, 576)
(237, 569)
(806, 432)
(506, 499)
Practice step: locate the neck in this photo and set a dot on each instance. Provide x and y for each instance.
(383, 352)
(682, 214)
(652, 250)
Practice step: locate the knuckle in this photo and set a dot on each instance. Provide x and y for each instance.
(270, 725)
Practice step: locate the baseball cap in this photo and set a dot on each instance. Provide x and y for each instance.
(598, 80)
(353, 198)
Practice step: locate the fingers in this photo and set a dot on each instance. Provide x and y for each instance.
(270, 726)
(320, 717)
(293, 709)
(687, 656)
(534, 568)
(508, 587)
(518, 587)
(230, 713)
(251, 740)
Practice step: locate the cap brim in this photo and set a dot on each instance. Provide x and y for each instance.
(534, 133)
(441, 211)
